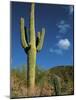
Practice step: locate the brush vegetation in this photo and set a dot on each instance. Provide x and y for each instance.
(55, 81)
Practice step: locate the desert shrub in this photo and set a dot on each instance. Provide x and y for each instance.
(18, 82)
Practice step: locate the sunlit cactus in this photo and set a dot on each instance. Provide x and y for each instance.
(31, 46)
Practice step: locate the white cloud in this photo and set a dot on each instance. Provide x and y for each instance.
(63, 26)
(58, 36)
(69, 9)
(57, 51)
(64, 44)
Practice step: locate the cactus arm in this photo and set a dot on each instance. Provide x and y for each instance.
(23, 34)
(40, 39)
(32, 26)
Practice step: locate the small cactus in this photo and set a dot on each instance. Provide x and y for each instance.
(55, 81)
(31, 47)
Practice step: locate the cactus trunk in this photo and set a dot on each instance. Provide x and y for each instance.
(31, 47)
(31, 72)
(31, 55)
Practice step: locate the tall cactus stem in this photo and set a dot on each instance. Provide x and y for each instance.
(32, 26)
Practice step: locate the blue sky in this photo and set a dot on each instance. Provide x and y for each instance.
(58, 42)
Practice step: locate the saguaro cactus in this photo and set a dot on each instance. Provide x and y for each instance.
(31, 47)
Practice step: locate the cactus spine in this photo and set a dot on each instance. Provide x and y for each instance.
(31, 47)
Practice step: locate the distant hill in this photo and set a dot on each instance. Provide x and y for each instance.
(66, 74)
(63, 71)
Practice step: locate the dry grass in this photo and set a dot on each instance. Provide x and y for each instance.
(19, 88)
